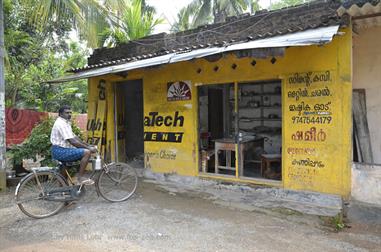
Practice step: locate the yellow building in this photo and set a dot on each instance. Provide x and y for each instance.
(263, 99)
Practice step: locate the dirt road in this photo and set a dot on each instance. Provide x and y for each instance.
(159, 220)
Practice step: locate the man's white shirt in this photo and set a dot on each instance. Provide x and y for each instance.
(61, 132)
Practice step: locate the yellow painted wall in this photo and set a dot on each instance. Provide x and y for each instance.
(169, 156)
(333, 153)
(94, 94)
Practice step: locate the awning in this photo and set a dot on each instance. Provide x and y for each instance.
(305, 38)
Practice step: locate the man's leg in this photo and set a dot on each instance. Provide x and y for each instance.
(63, 155)
(84, 162)
(73, 154)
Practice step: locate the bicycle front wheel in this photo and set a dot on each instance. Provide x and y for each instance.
(117, 182)
(31, 194)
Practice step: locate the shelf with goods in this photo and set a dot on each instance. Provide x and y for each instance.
(260, 102)
(258, 126)
(261, 107)
(260, 113)
(260, 94)
(252, 119)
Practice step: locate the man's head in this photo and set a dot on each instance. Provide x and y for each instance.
(65, 112)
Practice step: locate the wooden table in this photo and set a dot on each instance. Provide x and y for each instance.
(229, 146)
(267, 160)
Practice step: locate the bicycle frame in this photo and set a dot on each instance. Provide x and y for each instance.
(34, 173)
(51, 184)
(71, 189)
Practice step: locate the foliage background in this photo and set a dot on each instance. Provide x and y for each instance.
(38, 143)
(34, 56)
(38, 46)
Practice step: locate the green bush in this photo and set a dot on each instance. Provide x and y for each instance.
(38, 143)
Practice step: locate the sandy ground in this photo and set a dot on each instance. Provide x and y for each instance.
(159, 220)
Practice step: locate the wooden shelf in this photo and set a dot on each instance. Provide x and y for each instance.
(268, 100)
(262, 94)
(269, 130)
(251, 119)
(260, 107)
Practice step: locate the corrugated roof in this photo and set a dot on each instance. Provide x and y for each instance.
(359, 3)
(364, 13)
(235, 30)
(259, 47)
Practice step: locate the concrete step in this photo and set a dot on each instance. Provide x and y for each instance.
(360, 212)
(249, 197)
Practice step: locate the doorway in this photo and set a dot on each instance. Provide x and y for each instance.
(130, 95)
(216, 128)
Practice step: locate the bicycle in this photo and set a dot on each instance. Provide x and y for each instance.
(45, 191)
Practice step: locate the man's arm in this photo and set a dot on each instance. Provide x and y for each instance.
(77, 142)
(83, 142)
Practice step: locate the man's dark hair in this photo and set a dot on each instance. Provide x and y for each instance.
(63, 108)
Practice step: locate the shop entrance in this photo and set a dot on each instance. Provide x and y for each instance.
(130, 103)
(216, 107)
(250, 127)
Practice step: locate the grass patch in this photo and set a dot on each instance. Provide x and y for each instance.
(336, 222)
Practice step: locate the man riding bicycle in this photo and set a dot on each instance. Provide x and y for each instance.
(67, 147)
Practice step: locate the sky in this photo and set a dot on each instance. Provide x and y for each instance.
(168, 10)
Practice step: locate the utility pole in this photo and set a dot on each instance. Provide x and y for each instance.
(2, 103)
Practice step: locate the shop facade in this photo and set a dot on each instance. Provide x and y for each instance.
(313, 105)
(276, 115)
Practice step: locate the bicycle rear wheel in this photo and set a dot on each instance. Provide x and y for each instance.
(117, 182)
(31, 194)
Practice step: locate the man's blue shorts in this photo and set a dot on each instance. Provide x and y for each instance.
(67, 154)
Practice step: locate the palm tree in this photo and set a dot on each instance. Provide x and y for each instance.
(137, 21)
(253, 6)
(184, 21)
(287, 3)
(200, 12)
(225, 8)
(84, 14)
(17, 43)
